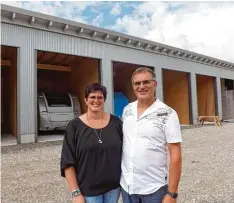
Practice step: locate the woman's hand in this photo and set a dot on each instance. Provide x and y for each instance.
(78, 199)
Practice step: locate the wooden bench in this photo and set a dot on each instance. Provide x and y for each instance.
(216, 119)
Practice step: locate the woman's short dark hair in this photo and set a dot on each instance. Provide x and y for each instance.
(95, 87)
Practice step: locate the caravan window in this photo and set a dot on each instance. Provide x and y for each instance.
(58, 99)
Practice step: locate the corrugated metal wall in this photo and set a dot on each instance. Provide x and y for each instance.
(27, 85)
(29, 40)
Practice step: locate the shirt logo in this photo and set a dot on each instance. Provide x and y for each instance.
(127, 112)
(160, 117)
(162, 114)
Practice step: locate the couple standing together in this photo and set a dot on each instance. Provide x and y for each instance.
(103, 156)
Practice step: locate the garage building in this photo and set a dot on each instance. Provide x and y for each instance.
(45, 53)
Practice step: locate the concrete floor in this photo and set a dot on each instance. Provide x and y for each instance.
(47, 138)
(8, 139)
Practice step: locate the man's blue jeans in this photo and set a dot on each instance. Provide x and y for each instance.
(156, 197)
(109, 197)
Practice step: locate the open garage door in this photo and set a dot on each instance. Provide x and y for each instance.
(8, 94)
(61, 82)
(123, 92)
(206, 95)
(176, 93)
(227, 91)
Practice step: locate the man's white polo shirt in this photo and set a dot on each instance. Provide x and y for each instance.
(144, 159)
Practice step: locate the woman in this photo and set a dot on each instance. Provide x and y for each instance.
(91, 152)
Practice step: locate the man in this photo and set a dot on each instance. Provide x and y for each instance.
(151, 130)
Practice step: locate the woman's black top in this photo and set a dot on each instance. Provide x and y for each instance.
(97, 165)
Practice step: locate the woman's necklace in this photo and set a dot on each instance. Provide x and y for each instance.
(99, 136)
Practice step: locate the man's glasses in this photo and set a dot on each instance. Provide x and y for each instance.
(94, 98)
(144, 82)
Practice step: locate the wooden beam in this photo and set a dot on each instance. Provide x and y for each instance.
(64, 58)
(5, 63)
(52, 58)
(41, 56)
(77, 59)
(40, 66)
(53, 67)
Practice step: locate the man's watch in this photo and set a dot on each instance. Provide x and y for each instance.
(173, 194)
(75, 193)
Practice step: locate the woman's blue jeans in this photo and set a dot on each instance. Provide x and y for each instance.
(108, 197)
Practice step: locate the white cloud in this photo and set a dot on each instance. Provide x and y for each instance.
(68, 10)
(116, 10)
(96, 21)
(206, 28)
(12, 3)
(82, 5)
(37, 6)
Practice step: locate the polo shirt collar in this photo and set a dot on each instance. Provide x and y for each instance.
(148, 111)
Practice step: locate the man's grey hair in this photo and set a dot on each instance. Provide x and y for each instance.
(143, 70)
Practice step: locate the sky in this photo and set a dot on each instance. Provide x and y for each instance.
(202, 27)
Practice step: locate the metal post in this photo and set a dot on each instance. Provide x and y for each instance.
(193, 98)
(159, 78)
(106, 72)
(218, 97)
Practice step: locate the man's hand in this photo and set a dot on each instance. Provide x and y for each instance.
(168, 199)
(78, 199)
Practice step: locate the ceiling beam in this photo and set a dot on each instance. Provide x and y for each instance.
(3, 51)
(39, 59)
(51, 58)
(53, 67)
(69, 59)
(40, 66)
(76, 60)
(63, 58)
(5, 62)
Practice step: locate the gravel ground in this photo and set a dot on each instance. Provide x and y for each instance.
(30, 173)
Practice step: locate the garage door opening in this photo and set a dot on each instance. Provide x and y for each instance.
(227, 92)
(61, 81)
(176, 94)
(8, 95)
(123, 92)
(206, 95)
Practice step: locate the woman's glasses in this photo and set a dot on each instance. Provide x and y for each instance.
(93, 98)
